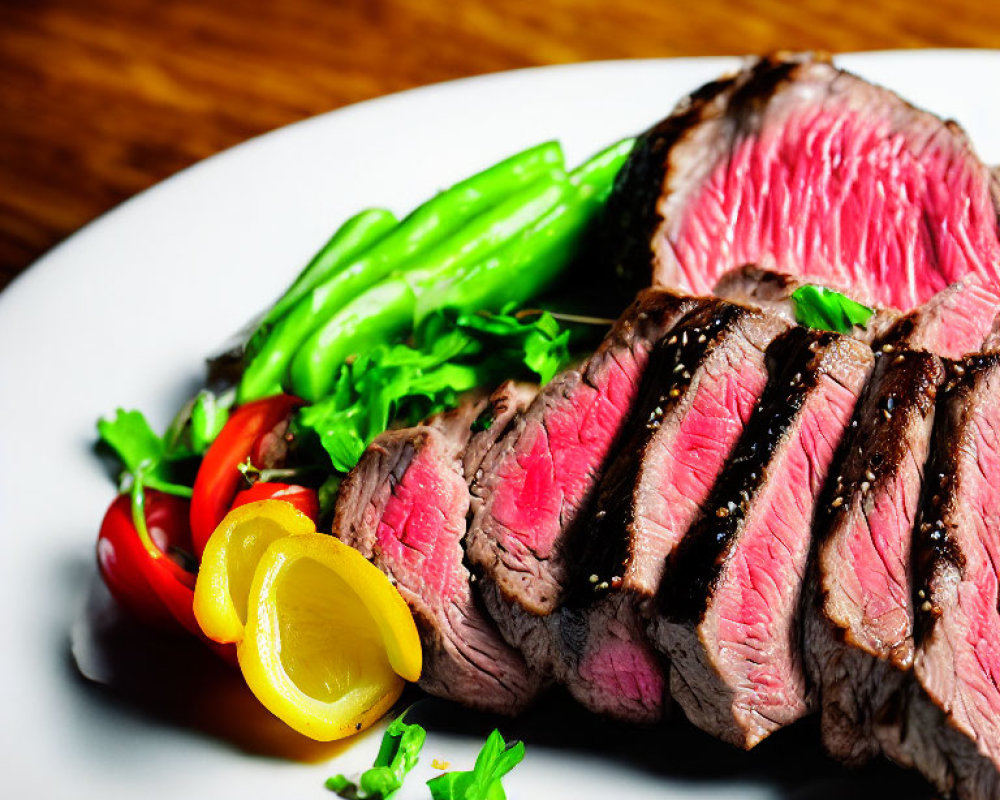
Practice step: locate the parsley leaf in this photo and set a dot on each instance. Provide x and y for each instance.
(483, 781)
(825, 309)
(398, 754)
(449, 354)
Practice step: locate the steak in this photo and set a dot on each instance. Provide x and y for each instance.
(808, 170)
(728, 602)
(535, 482)
(947, 723)
(404, 507)
(859, 621)
(699, 389)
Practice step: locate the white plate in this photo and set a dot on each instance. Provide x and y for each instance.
(123, 313)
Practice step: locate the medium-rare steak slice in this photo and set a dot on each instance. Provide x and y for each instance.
(858, 625)
(404, 507)
(699, 390)
(800, 167)
(859, 619)
(947, 724)
(728, 602)
(533, 484)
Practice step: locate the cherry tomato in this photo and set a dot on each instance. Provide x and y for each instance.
(302, 497)
(254, 431)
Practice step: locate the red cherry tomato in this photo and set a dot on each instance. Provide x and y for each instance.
(254, 431)
(147, 577)
(303, 498)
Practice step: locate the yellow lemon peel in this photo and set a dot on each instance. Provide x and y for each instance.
(324, 640)
(230, 559)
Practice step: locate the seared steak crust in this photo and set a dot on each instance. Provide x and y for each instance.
(698, 391)
(728, 601)
(858, 635)
(538, 479)
(947, 723)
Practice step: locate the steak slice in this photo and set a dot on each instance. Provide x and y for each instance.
(858, 625)
(947, 724)
(404, 507)
(805, 169)
(699, 390)
(534, 483)
(859, 621)
(729, 597)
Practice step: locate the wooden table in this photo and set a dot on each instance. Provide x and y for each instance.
(101, 98)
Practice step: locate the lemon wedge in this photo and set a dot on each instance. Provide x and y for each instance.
(230, 559)
(323, 638)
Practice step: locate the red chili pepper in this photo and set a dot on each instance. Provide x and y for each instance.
(302, 497)
(145, 573)
(248, 434)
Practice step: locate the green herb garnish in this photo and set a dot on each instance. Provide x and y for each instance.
(483, 781)
(398, 754)
(825, 309)
(449, 354)
(144, 455)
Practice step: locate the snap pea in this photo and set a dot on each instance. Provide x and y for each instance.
(314, 365)
(527, 265)
(351, 239)
(424, 228)
(599, 171)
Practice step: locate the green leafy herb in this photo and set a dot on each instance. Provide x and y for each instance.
(143, 454)
(825, 309)
(398, 754)
(450, 354)
(483, 781)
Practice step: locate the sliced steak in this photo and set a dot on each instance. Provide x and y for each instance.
(728, 602)
(805, 169)
(859, 621)
(699, 390)
(404, 507)
(533, 484)
(858, 625)
(947, 723)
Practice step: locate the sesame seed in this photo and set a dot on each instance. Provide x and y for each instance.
(926, 606)
(722, 512)
(592, 579)
(838, 502)
(865, 486)
(870, 475)
(702, 339)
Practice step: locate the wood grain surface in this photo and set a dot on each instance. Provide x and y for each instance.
(101, 98)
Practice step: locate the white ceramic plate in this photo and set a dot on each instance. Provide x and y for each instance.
(122, 314)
